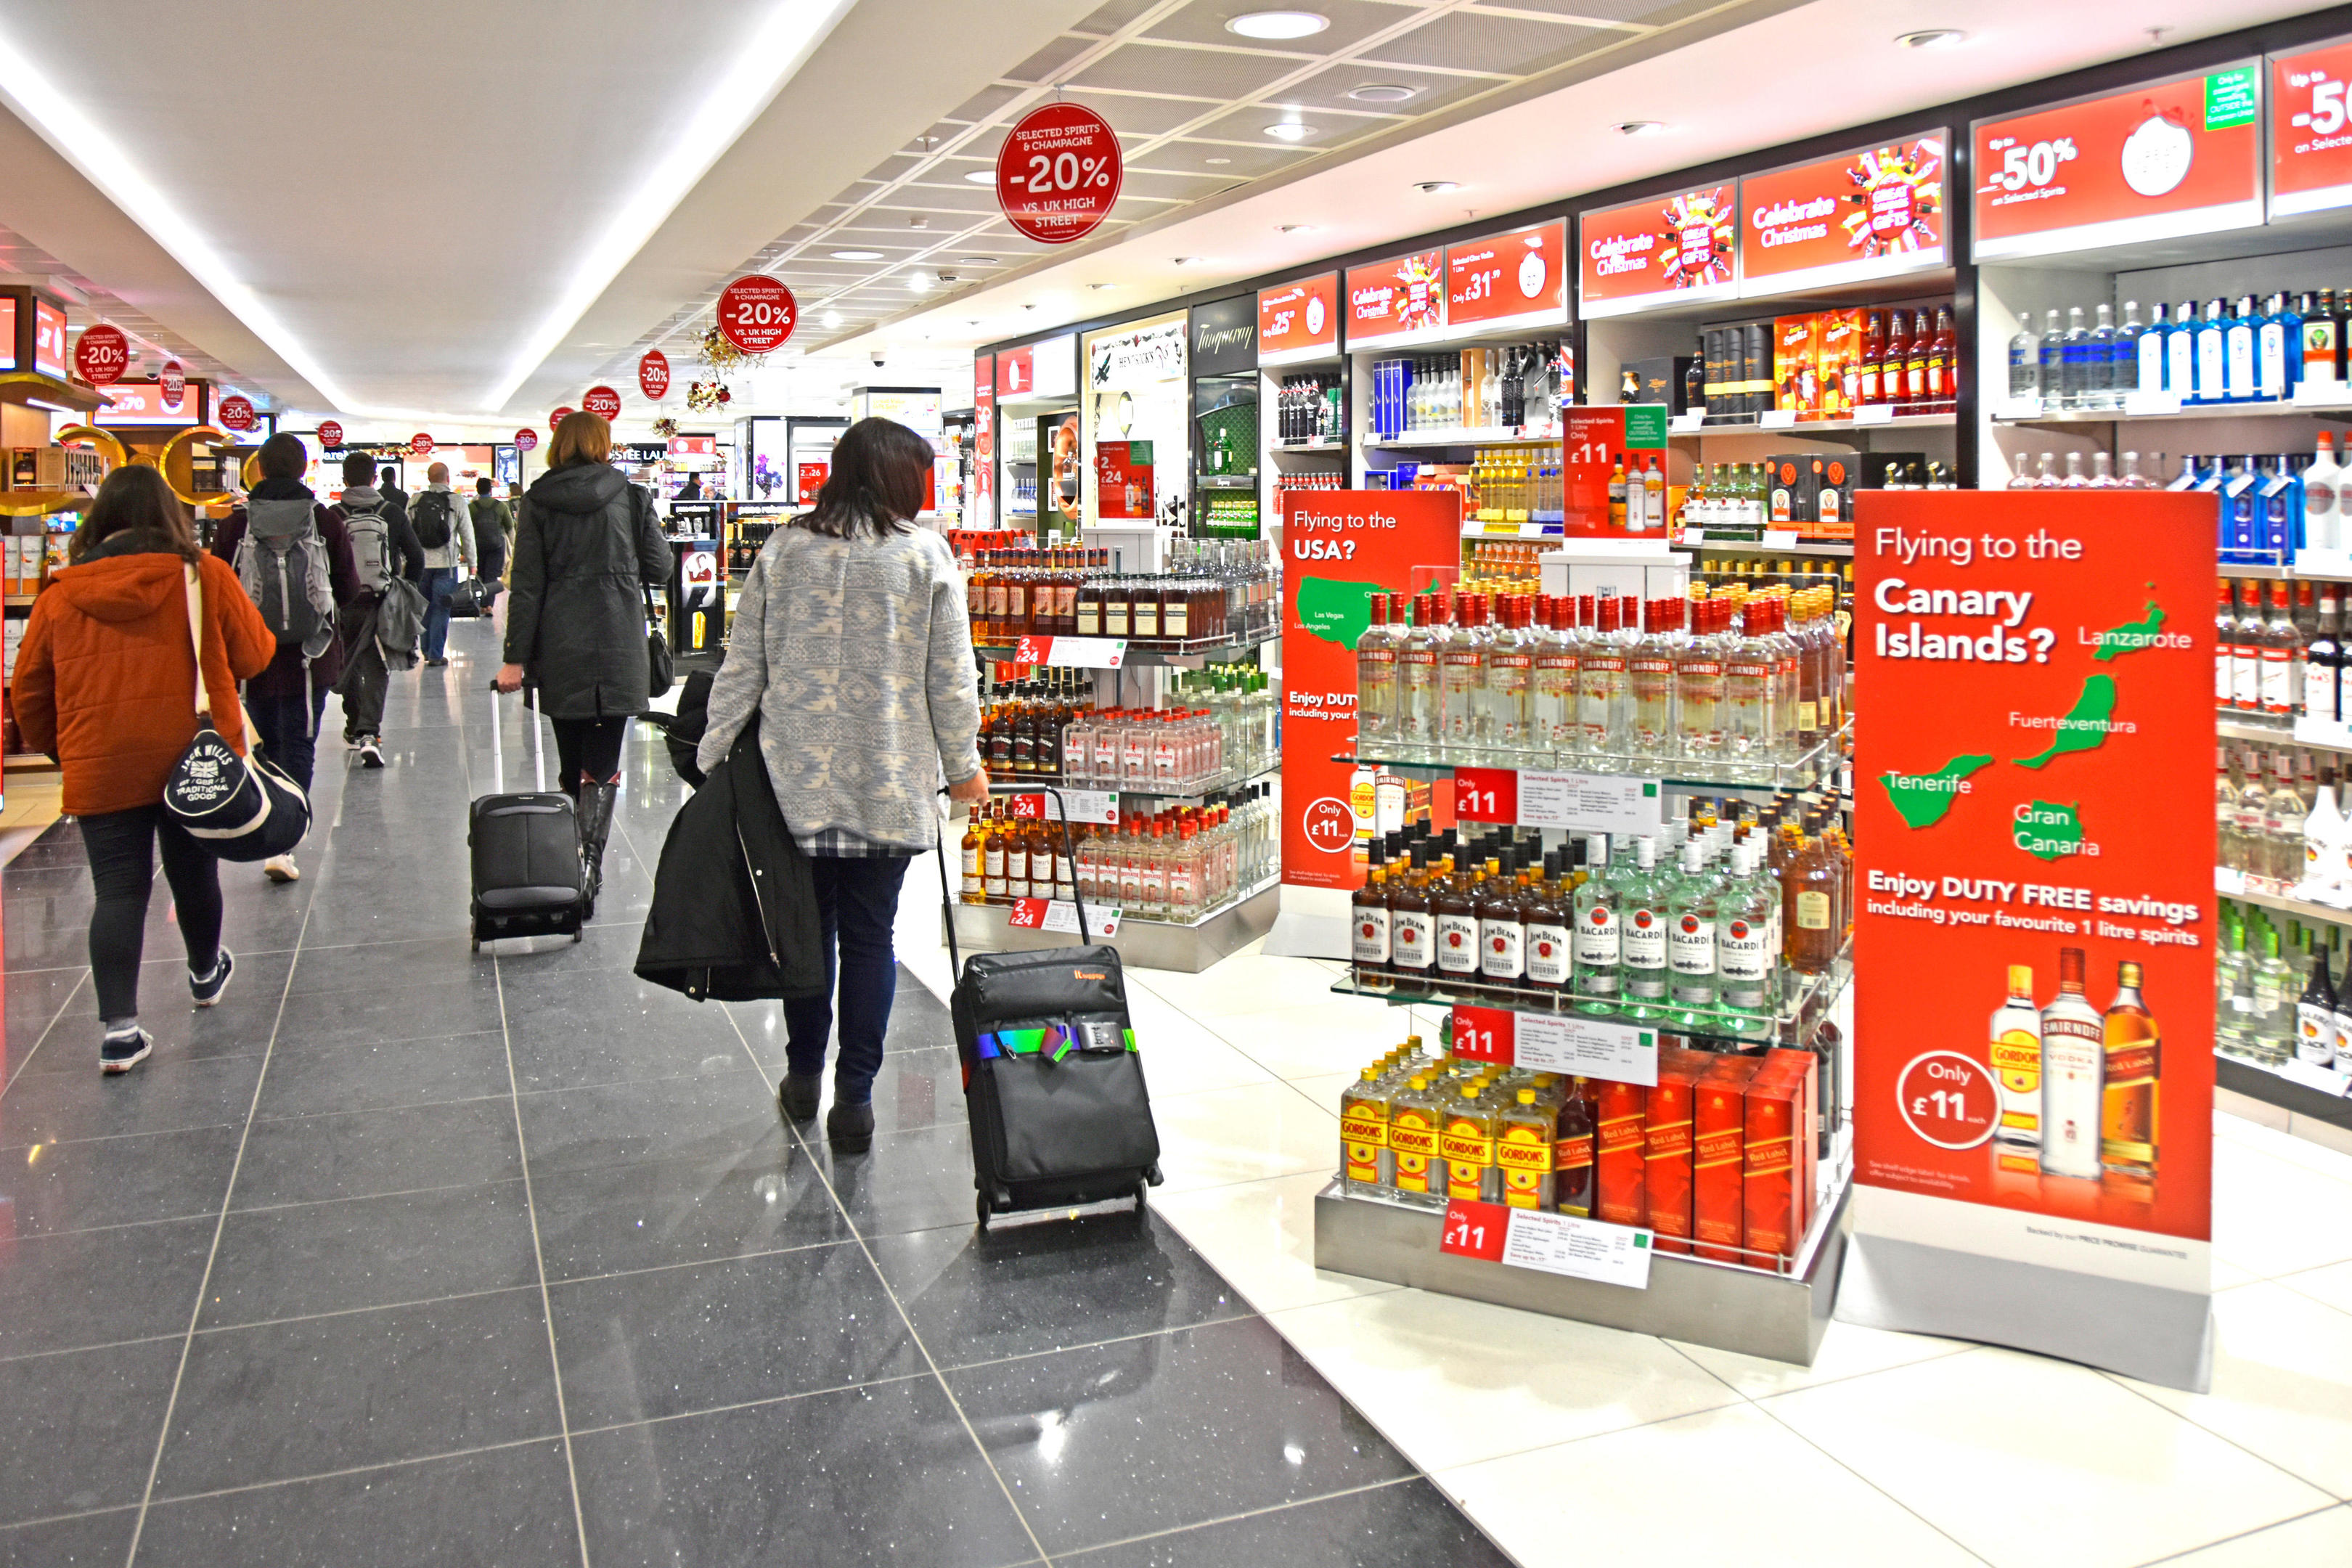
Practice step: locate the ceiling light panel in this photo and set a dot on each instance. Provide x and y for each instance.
(1350, 22)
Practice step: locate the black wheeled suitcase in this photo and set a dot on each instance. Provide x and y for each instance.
(526, 852)
(1052, 1087)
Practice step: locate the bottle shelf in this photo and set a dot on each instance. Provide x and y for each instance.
(2230, 884)
(1757, 547)
(1323, 444)
(2332, 1082)
(2259, 734)
(1814, 766)
(2340, 409)
(1228, 481)
(1463, 435)
(1156, 651)
(1815, 427)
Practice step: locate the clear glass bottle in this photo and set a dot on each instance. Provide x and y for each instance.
(1509, 700)
(1601, 694)
(1462, 677)
(1650, 682)
(1747, 960)
(2024, 363)
(1691, 909)
(1376, 681)
(1597, 979)
(1641, 921)
(1698, 683)
(2074, 1075)
(2074, 362)
(2099, 360)
(1748, 668)
(1557, 729)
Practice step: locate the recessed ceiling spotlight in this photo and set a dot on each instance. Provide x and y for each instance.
(1216, 160)
(1278, 24)
(857, 255)
(1099, 286)
(832, 317)
(1290, 131)
(918, 221)
(1185, 261)
(1382, 92)
(979, 260)
(1436, 187)
(1931, 39)
(980, 176)
(1294, 228)
(1639, 126)
(919, 282)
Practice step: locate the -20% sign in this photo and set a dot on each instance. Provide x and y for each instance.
(1058, 173)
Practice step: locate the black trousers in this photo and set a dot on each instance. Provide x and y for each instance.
(121, 849)
(589, 747)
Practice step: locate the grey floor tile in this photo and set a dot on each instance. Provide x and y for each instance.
(709, 1117)
(607, 1218)
(510, 1506)
(1100, 1277)
(392, 965)
(1176, 1429)
(580, 1028)
(360, 1388)
(369, 1252)
(163, 1094)
(119, 1181)
(909, 1181)
(77, 1430)
(240, 1025)
(341, 1017)
(98, 1287)
(86, 1541)
(1407, 1524)
(639, 1346)
(363, 1153)
(382, 1076)
(881, 1475)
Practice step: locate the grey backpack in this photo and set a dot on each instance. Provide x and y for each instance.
(282, 561)
(371, 534)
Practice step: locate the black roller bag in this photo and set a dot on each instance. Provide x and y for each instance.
(1052, 1087)
(526, 852)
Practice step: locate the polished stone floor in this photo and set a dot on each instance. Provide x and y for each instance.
(404, 1256)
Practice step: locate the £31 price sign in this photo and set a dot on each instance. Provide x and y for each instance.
(757, 313)
(1475, 1230)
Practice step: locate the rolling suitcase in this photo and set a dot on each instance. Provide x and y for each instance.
(526, 851)
(1052, 1087)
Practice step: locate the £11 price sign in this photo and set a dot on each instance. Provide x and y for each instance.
(1487, 794)
(1475, 1230)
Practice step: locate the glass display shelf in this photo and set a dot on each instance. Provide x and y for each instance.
(1841, 550)
(1319, 444)
(1817, 765)
(2334, 409)
(1464, 435)
(2233, 884)
(1127, 917)
(1228, 481)
(1811, 426)
(1156, 651)
(1174, 789)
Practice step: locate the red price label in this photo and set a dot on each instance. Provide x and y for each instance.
(526, 439)
(653, 375)
(1029, 914)
(757, 313)
(101, 354)
(1485, 1034)
(174, 383)
(1058, 173)
(603, 402)
(235, 413)
(1487, 794)
(330, 434)
(1475, 1230)
(419, 445)
(1032, 650)
(1948, 1098)
(1029, 807)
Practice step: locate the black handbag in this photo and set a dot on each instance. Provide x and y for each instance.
(240, 807)
(660, 672)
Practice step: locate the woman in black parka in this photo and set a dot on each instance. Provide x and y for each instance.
(586, 547)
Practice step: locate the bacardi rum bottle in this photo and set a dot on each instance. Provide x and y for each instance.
(1598, 953)
(2074, 1075)
(2016, 1051)
(2134, 1063)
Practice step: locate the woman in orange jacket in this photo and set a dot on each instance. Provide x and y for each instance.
(106, 683)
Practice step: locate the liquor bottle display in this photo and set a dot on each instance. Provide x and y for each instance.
(2241, 350)
(1213, 590)
(1520, 390)
(1830, 364)
(1177, 865)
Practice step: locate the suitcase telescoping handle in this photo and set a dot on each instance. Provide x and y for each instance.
(538, 744)
(1069, 850)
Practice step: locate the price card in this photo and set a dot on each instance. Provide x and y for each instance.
(1874, 414)
(1061, 915)
(1486, 1034)
(2327, 1081)
(1487, 794)
(1681, 423)
(1579, 1248)
(1084, 805)
(2307, 394)
(1777, 419)
(1586, 1048)
(2142, 405)
(2012, 408)
(1694, 536)
(1589, 802)
(1779, 539)
(1072, 653)
(1475, 1230)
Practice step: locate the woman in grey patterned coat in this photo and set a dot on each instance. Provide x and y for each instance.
(850, 641)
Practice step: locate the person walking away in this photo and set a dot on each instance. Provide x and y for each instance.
(106, 683)
(445, 530)
(295, 561)
(383, 547)
(586, 547)
(387, 484)
(692, 489)
(852, 644)
(493, 530)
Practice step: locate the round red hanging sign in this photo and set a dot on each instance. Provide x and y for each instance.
(559, 416)
(420, 445)
(330, 434)
(757, 313)
(653, 375)
(235, 413)
(101, 354)
(1058, 173)
(603, 402)
(173, 381)
(526, 439)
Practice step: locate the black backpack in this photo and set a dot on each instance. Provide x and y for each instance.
(430, 514)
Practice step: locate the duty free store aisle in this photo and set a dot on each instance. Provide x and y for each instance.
(1573, 1444)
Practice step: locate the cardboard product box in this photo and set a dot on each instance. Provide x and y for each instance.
(36, 468)
(1658, 378)
(1770, 1177)
(1718, 1148)
(1572, 1153)
(1842, 333)
(1755, 368)
(1795, 365)
(1789, 496)
(11, 555)
(1804, 1068)
(1666, 1147)
(1713, 348)
(1833, 485)
(1617, 1159)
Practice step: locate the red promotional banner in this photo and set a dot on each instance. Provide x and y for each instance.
(1299, 320)
(2033, 834)
(235, 413)
(1015, 373)
(757, 313)
(1509, 280)
(2311, 130)
(330, 434)
(559, 416)
(526, 439)
(141, 402)
(653, 375)
(981, 511)
(7, 334)
(420, 445)
(1599, 442)
(174, 383)
(1874, 213)
(101, 354)
(1058, 173)
(1392, 302)
(2172, 158)
(1345, 546)
(807, 480)
(603, 402)
(1680, 247)
(48, 338)
(1123, 483)
(693, 446)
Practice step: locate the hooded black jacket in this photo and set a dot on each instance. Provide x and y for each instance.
(734, 916)
(586, 547)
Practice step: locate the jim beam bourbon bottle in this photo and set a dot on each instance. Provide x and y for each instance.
(2074, 1075)
(2134, 1063)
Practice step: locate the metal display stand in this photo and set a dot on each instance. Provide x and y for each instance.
(1152, 944)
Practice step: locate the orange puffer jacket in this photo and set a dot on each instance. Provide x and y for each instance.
(106, 682)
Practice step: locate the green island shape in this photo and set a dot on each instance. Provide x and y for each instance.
(2053, 831)
(2084, 728)
(2132, 637)
(1335, 609)
(1923, 799)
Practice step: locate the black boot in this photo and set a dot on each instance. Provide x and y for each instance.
(595, 817)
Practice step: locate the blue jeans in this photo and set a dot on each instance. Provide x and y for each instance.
(440, 581)
(857, 900)
(289, 732)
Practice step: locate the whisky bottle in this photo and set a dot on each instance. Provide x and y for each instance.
(2016, 1050)
(1369, 944)
(2133, 1064)
(2073, 1074)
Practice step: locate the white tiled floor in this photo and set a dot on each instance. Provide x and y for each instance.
(1571, 1443)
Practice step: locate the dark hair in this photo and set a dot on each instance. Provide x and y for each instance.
(283, 456)
(481, 487)
(359, 468)
(136, 498)
(875, 486)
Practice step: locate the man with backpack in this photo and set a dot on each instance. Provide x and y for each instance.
(445, 530)
(493, 530)
(294, 559)
(384, 621)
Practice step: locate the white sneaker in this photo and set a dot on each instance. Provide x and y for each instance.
(281, 868)
(370, 753)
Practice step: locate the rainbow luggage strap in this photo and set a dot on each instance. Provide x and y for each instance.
(1053, 1042)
